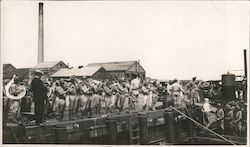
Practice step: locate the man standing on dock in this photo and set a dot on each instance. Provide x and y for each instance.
(60, 93)
(146, 97)
(39, 95)
(135, 85)
(175, 90)
(220, 119)
(207, 109)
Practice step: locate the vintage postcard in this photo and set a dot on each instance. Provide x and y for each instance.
(125, 72)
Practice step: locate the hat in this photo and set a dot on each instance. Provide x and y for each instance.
(237, 107)
(233, 103)
(206, 84)
(38, 72)
(206, 99)
(62, 80)
(175, 80)
(67, 80)
(228, 107)
(157, 82)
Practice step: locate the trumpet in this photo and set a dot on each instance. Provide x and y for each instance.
(20, 94)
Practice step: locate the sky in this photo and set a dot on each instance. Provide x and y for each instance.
(172, 39)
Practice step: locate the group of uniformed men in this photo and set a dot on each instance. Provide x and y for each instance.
(88, 96)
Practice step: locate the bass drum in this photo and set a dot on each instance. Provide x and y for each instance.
(19, 96)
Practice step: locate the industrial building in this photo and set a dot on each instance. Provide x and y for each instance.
(8, 71)
(121, 70)
(49, 68)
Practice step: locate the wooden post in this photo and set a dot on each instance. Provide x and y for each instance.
(178, 128)
(143, 127)
(112, 130)
(169, 121)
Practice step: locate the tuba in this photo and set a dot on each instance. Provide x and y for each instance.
(20, 95)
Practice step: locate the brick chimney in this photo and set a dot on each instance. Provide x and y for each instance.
(40, 34)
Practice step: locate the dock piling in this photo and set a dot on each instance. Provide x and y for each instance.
(112, 130)
(169, 120)
(143, 127)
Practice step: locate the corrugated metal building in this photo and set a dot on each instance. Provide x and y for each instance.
(121, 70)
(96, 72)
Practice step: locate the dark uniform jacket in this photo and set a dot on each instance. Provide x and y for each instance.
(38, 89)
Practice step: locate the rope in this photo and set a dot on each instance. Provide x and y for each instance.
(205, 128)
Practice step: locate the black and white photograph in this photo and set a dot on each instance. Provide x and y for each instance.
(109, 72)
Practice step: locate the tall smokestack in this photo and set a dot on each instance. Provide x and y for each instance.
(245, 62)
(40, 34)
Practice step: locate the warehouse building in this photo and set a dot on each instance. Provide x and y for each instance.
(121, 70)
(49, 68)
(8, 71)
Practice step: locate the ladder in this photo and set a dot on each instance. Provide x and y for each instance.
(134, 132)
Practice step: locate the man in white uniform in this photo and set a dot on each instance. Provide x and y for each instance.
(135, 85)
(175, 91)
(206, 109)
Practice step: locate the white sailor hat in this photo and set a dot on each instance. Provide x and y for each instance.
(206, 99)
(38, 72)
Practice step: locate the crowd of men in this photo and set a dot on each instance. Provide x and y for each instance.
(88, 96)
(230, 118)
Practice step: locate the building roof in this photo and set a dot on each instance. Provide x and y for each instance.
(5, 65)
(8, 71)
(8, 64)
(85, 71)
(49, 64)
(114, 66)
(22, 72)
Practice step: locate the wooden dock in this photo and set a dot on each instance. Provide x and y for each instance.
(153, 127)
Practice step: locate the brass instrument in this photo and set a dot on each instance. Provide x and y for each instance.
(20, 94)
